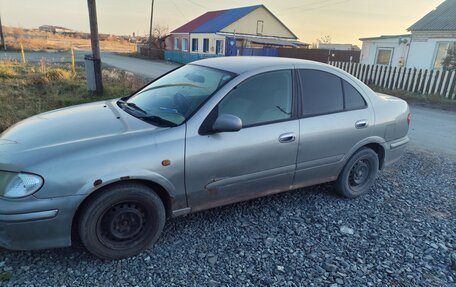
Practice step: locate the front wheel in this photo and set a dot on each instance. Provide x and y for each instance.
(359, 174)
(121, 221)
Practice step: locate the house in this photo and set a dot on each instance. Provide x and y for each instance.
(55, 29)
(425, 47)
(432, 37)
(222, 32)
(385, 50)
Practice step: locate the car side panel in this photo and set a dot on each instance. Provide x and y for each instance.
(325, 142)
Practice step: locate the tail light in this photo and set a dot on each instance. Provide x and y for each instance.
(409, 118)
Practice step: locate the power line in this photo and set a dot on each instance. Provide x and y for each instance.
(197, 4)
(178, 10)
(321, 5)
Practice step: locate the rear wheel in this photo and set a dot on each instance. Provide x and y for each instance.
(121, 221)
(358, 174)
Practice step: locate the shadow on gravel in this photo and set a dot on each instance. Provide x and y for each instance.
(402, 233)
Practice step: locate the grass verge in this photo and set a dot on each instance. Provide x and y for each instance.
(30, 89)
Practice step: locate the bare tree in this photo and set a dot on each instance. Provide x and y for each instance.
(159, 34)
(326, 39)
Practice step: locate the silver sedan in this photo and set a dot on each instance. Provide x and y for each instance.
(210, 133)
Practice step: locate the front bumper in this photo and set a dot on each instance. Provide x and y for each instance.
(32, 223)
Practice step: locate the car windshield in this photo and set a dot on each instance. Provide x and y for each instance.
(172, 99)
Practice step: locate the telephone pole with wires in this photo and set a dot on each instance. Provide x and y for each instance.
(96, 59)
(151, 21)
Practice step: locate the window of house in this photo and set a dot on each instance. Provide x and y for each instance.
(205, 45)
(321, 93)
(260, 26)
(442, 52)
(352, 98)
(176, 43)
(384, 56)
(261, 99)
(184, 44)
(194, 45)
(219, 47)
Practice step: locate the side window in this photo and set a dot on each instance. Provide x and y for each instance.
(194, 45)
(322, 93)
(353, 99)
(261, 99)
(205, 45)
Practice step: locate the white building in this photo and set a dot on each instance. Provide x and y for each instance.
(385, 50)
(251, 27)
(427, 45)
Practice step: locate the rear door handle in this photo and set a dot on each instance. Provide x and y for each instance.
(361, 124)
(287, 138)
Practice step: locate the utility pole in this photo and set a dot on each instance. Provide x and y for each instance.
(95, 45)
(2, 39)
(150, 27)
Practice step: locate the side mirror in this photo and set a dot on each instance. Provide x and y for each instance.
(227, 123)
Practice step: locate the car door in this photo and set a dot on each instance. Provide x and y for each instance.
(335, 117)
(260, 158)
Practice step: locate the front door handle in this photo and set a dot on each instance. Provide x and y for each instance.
(287, 138)
(361, 124)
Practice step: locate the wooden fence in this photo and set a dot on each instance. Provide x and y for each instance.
(414, 80)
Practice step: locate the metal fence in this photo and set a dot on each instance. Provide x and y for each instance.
(320, 55)
(186, 57)
(271, 52)
(424, 81)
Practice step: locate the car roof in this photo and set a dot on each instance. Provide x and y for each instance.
(243, 64)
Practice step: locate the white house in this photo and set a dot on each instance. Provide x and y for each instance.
(385, 50)
(252, 26)
(427, 45)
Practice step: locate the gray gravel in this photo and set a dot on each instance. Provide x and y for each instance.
(403, 233)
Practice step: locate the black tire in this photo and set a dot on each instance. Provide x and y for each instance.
(121, 221)
(358, 174)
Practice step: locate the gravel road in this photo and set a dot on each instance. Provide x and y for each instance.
(403, 233)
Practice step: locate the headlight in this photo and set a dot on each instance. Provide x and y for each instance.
(16, 185)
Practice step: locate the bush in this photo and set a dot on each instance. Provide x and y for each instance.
(50, 76)
(6, 72)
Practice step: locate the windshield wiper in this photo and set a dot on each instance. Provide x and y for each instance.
(133, 106)
(158, 120)
(146, 117)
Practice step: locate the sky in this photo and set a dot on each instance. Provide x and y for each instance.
(344, 20)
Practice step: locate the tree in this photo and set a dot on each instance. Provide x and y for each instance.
(325, 39)
(159, 34)
(449, 62)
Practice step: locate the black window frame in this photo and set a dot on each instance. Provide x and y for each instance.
(301, 95)
(194, 47)
(206, 126)
(217, 42)
(206, 40)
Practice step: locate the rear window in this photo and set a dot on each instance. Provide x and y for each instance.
(353, 99)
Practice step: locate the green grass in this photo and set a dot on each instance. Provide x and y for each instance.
(27, 90)
(435, 101)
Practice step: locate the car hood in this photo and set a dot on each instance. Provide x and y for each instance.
(67, 127)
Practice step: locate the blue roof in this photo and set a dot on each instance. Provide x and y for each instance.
(223, 20)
